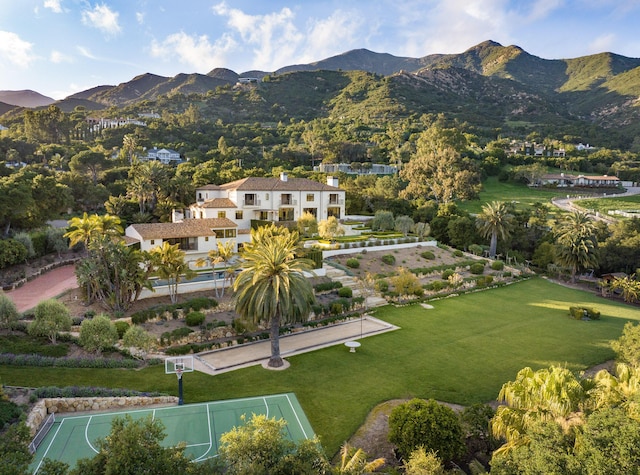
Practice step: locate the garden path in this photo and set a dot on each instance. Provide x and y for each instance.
(46, 286)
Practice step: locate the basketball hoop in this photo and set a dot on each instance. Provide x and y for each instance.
(179, 372)
(178, 366)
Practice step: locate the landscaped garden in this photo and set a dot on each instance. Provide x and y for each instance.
(461, 351)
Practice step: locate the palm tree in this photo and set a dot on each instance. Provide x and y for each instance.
(553, 394)
(576, 243)
(622, 390)
(169, 264)
(494, 221)
(353, 461)
(87, 228)
(630, 288)
(272, 287)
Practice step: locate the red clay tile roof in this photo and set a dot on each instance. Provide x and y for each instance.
(218, 203)
(186, 228)
(276, 184)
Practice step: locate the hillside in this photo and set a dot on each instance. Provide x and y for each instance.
(25, 98)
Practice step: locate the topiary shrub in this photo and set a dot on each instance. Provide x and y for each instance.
(427, 255)
(580, 313)
(497, 265)
(388, 259)
(477, 268)
(420, 423)
(353, 263)
(194, 319)
(345, 292)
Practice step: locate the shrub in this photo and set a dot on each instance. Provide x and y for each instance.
(477, 268)
(436, 285)
(11, 252)
(580, 313)
(194, 319)
(327, 286)
(98, 334)
(353, 263)
(427, 424)
(9, 315)
(447, 273)
(336, 308)
(458, 253)
(497, 265)
(389, 259)
(382, 285)
(427, 255)
(121, 328)
(345, 292)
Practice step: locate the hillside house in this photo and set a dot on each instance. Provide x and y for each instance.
(225, 212)
(365, 169)
(566, 180)
(166, 156)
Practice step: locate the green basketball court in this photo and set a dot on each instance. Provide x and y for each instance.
(200, 426)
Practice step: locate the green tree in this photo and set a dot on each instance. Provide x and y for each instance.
(627, 346)
(382, 221)
(406, 282)
(97, 334)
(330, 228)
(134, 447)
(576, 243)
(50, 318)
(442, 175)
(404, 224)
(272, 287)
(307, 224)
(169, 264)
(428, 424)
(422, 463)
(494, 222)
(85, 229)
(260, 447)
(89, 162)
(629, 287)
(139, 340)
(9, 315)
(14, 450)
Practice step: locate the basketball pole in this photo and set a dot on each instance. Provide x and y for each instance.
(180, 397)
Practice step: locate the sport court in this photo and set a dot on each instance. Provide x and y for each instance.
(200, 426)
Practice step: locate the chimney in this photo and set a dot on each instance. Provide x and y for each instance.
(283, 176)
(332, 181)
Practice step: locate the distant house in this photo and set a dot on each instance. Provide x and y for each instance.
(365, 169)
(2, 127)
(163, 155)
(566, 180)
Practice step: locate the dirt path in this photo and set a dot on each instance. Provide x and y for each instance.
(46, 286)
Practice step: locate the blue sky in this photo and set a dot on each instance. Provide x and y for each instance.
(58, 47)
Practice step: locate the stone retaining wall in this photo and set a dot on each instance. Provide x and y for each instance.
(83, 404)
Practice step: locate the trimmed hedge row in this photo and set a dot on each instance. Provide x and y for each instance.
(84, 391)
(70, 362)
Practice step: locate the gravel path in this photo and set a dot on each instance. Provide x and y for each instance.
(45, 286)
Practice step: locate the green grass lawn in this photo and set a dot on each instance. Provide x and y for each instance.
(462, 351)
(522, 195)
(604, 205)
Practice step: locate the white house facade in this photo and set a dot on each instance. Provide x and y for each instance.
(163, 155)
(566, 180)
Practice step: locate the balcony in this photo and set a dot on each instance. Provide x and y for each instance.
(288, 202)
(248, 203)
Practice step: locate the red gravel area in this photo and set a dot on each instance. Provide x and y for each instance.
(46, 286)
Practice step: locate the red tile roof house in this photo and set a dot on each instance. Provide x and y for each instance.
(565, 180)
(225, 212)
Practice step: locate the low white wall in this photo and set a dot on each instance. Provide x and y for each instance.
(358, 250)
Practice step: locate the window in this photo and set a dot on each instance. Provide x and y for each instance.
(250, 199)
(206, 239)
(285, 199)
(222, 214)
(267, 197)
(313, 211)
(229, 233)
(333, 199)
(199, 196)
(238, 214)
(153, 241)
(219, 233)
(185, 244)
(264, 216)
(311, 197)
(285, 214)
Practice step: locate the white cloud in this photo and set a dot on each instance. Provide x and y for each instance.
(53, 5)
(58, 57)
(274, 37)
(602, 43)
(196, 51)
(140, 18)
(102, 18)
(85, 52)
(333, 35)
(15, 50)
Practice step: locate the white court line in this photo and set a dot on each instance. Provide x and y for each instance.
(297, 418)
(267, 406)
(48, 447)
(86, 435)
(210, 437)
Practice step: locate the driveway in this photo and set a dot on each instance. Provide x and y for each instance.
(567, 203)
(43, 287)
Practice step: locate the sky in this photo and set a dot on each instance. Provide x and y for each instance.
(60, 47)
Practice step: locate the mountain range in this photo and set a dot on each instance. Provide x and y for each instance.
(502, 83)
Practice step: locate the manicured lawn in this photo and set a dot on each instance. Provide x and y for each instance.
(603, 205)
(522, 195)
(462, 351)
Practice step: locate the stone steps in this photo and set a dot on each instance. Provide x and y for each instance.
(338, 275)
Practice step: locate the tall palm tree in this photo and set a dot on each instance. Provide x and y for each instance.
(494, 222)
(576, 243)
(272, 287)
(87, 228)
(169, 264)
